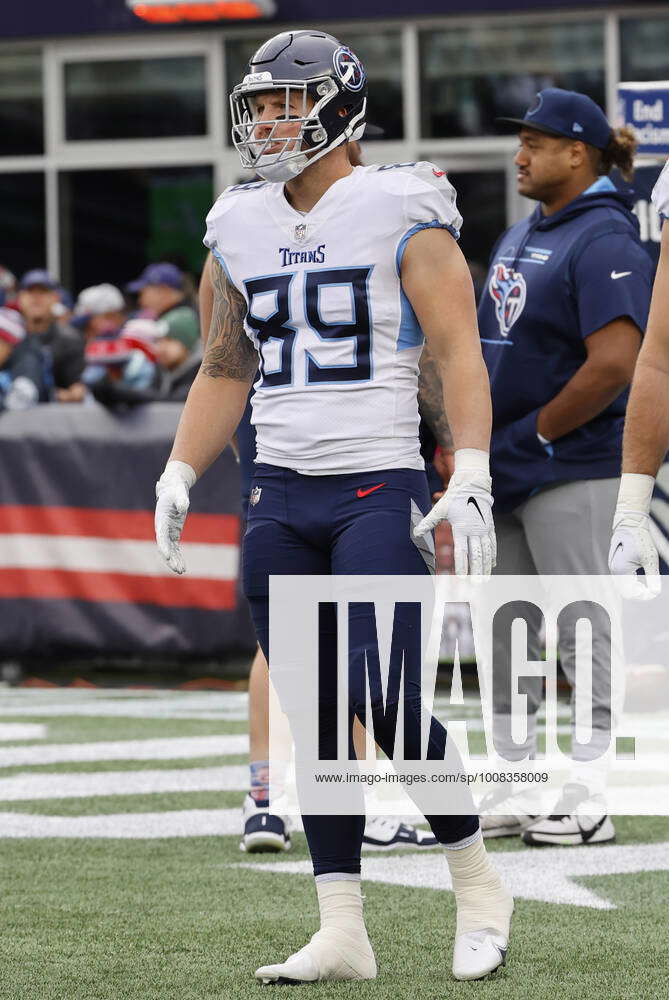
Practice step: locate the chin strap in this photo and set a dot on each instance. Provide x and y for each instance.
(283, 170)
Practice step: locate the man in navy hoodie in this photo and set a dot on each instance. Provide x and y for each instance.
(561, 318)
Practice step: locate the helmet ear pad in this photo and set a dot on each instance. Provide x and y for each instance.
(334, 117)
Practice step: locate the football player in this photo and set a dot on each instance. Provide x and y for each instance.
(646, 436)
(265, 831)
(326, 277)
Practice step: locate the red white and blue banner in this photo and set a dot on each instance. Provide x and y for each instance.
(79, 570)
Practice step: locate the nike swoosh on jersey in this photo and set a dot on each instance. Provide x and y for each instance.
(372, 489)
(438, 173)
(473, 500)
(619, 274)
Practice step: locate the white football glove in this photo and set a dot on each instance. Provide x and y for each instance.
(467, 505)
(171, 509)
(632, 546)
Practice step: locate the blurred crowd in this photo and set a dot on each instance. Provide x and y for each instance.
(117, 347)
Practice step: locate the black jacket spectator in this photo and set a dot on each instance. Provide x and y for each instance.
(64, 351)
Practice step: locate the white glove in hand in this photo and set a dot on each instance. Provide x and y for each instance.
(467, 505)
(171, 509)
(22, 394)
(632, 546)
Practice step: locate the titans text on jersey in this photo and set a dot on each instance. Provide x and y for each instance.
(289, 256)
(338, 343)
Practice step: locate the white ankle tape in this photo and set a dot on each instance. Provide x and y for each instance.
(341, 946)
(340, 905)
(482, 900)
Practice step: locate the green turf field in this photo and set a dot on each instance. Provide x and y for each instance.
(116, 889)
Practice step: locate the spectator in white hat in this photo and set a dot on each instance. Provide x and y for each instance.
(99, 311)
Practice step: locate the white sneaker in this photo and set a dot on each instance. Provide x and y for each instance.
(570, 831)
(514, 818)
(330, 955)
(505, 826)
(478, 953)
(384, 833)
(263, 831)
(564, 827)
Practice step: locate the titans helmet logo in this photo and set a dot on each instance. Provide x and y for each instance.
(348, 68)
(508, 291)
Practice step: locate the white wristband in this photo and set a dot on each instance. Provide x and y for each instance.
(472, 460)
(635, 492)
(183, 470)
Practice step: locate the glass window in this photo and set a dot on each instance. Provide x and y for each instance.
(21, 110)
(473, 74)
(144, 214)
(644, 49)
(381, 54)
(22, 210)
(135, 98)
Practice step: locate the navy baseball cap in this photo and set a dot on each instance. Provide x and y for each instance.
(158, 274)
(38, 276)
(568, 114)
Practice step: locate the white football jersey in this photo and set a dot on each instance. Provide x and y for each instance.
(337, 338)
(660, 195)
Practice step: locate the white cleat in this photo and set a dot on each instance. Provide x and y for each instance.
(504, 826)
(384, 833)
(330, 955)
(516, 812)
(484, 909)
(570, 831)
(478, 953)
(566, 828)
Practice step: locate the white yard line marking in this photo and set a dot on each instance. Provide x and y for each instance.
(545, 874)
(158, 749)
(125, 826)
(151, 705)
(23, 787)
(22, 731)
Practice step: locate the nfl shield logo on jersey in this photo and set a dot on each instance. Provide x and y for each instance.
(254, 495)
(300, 231)
(508, 291)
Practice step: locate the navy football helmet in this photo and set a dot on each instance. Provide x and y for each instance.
(319, 75)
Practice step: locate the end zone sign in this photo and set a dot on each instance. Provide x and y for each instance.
(645, 108)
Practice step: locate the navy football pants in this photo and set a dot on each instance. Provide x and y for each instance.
(344, 525)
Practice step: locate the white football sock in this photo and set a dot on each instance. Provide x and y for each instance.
(341, 948)
(483, 902)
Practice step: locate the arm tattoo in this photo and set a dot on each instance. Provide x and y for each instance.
(431, 399)
(229, 352)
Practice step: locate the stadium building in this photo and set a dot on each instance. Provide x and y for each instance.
(115, 120)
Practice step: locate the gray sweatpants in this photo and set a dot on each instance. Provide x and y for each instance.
(562, 530)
